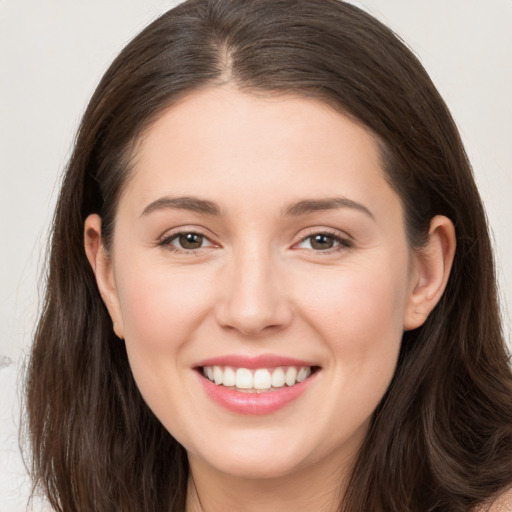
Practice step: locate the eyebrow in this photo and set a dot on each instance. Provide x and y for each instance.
(303, 207)
(332, 203)
(193, 204)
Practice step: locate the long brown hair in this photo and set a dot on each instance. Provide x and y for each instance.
(441, 438)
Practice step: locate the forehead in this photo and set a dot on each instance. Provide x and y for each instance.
(258, 149)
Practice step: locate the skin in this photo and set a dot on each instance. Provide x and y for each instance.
(259, 286)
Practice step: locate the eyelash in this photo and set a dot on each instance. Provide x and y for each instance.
(167, 242)
(344, 243)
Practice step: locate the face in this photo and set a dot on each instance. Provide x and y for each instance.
(259, 245)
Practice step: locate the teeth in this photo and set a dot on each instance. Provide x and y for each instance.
(243, 378)
(259, 379)
(217, 375)
(291, 376)
(303, 374)
(278, 379)
(262, 379)
(229, 377)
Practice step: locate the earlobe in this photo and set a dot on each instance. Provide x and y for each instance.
(432, 266)
(101, 265)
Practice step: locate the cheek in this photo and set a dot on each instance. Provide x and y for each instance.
(359, 314)
(161, 309)
(357, 300)
(160, 306)
(359, 317)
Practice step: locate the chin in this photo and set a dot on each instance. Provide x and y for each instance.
(261, 468)
(257, 457)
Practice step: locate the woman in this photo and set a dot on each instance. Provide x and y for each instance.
(271, 283)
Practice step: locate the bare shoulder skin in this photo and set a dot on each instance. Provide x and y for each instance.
(502, 503)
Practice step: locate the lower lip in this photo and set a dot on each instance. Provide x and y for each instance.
(254, 403)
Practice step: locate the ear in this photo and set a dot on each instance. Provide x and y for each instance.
(431, 270)
(102, 267)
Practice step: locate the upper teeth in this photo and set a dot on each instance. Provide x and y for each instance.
(260, 378)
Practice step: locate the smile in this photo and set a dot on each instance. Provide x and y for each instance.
(256, 380)
(256, 385)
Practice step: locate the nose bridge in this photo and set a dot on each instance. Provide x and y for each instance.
(253, 298)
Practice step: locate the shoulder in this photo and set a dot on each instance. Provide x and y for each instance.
(501, 503)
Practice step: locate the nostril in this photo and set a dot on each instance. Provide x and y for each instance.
(251, 300)
(254, 323)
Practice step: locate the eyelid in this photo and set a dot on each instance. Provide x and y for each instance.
(169, 236)
(344, 240)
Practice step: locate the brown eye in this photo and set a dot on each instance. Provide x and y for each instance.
(186, 242)
(190, 240)
(321, 242)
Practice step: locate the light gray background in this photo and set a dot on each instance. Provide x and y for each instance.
(53, 52)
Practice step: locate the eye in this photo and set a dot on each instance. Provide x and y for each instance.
(186, 241)
(324, 242)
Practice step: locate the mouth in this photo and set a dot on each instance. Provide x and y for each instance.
(256, 385)
(257, 380)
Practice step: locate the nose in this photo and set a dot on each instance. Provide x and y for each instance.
(253, 298)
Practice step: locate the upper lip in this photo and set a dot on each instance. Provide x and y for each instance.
(252, 362)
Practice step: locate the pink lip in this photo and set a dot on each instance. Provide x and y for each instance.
(254, 403)
(262, 361)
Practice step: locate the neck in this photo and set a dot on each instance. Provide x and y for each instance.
(319, 488)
